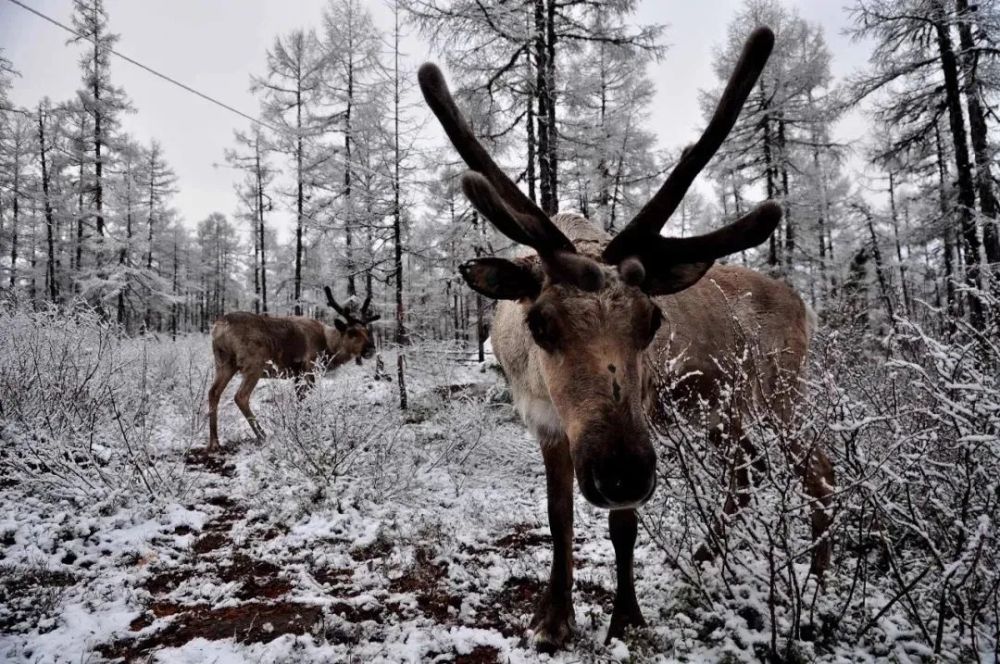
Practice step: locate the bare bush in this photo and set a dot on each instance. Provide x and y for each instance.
(83, 408)
(336, 434)
(913, 427)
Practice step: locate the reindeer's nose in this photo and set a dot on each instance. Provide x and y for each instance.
(626, 480)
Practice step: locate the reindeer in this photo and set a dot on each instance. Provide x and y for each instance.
(281, 347)
(584, 324)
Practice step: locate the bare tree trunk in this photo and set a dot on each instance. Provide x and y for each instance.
(550, 91)
(899, 249)
(50, 267)
(966, 190)
(979, 133)
(300, 194)
(788, 221)
(260, 224)
(529, 174)
(545, 78)
(397, 224)
(772, 247)
(16, 208)
(949, 251)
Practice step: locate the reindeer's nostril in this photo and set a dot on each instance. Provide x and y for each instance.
(622, 484)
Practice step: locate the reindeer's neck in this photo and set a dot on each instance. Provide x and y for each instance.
(334, 346)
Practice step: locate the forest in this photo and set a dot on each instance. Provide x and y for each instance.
(397, 511)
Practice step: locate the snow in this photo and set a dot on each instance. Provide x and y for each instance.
(426, 542)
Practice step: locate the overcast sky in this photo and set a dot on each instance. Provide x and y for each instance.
(214, 46)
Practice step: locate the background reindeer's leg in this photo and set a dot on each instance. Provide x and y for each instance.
(242, 399)
(224, 373)
(624, 527)
(738, 493)
(553, 620)
(303, 383)
(819, 483)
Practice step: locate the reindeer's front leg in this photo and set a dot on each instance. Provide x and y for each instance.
(554, 618)
(624, 526)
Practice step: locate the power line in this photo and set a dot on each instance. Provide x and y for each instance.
(138, 64)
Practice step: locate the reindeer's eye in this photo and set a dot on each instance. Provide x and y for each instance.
(543, 329)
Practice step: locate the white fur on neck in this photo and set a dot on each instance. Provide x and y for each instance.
(539, 415)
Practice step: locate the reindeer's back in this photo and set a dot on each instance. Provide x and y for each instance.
(734, 327)
(246, 339)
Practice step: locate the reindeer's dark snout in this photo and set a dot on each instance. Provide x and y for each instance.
(614, 472)
(626, 481)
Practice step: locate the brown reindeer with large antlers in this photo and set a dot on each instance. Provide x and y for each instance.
(281, 347)
(586, 325)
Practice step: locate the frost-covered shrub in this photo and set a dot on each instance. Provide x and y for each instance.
(913, 429)
(84, 410)
(341, 433)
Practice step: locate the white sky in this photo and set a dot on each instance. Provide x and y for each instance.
(215, 45)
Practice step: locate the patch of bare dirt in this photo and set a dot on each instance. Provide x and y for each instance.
(164, 582)
(253, 622)
(479, 655)
(257, 578)
(335, 577)
(522, 538)
(209, 542)
(377, 550)
(200, 457)
(509, 609)
(424, 579)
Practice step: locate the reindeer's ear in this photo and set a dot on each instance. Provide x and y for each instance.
(501, 279)
(340, 325)
(673, 278)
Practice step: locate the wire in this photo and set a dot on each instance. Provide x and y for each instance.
(138, 64)
(275, 128)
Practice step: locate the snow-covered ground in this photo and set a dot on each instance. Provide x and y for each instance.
(359, 533)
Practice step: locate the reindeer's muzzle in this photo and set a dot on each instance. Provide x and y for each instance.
(616, 472)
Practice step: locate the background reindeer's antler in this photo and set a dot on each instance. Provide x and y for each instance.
(366, 316)
(336, 307)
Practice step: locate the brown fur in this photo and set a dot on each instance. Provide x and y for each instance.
(604, 378)
(275, 347)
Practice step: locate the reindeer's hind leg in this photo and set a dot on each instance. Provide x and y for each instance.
(819, 483)
(250, 377)
(744, 455)
(224, 372)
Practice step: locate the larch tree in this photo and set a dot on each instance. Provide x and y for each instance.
(916, 81)
(354, 89)
(291, 91)
(785, 123)
(251, 157)
(103, 103)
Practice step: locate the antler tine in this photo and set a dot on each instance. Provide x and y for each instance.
(364, 305)
(530, 225)
(336, 307)
(654, 214)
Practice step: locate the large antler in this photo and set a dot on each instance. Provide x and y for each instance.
(635, 239)
(498, 198)
(366, 317)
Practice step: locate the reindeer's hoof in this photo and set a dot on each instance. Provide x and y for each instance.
(704, 554)
(552, 625)
(820, 561)
(625, 614)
